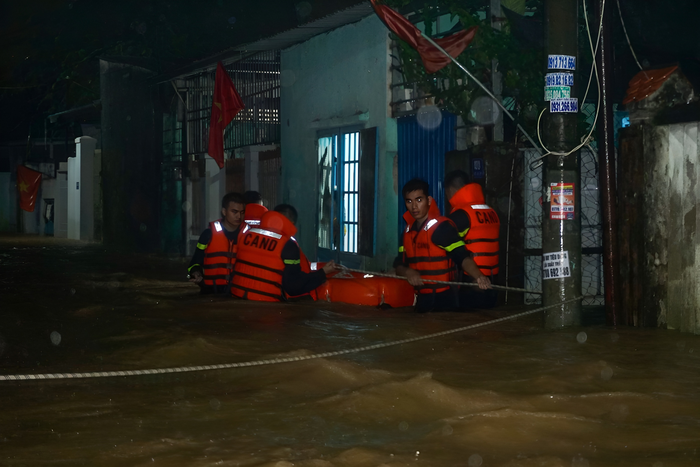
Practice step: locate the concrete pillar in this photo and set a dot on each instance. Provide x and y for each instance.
(81, 196)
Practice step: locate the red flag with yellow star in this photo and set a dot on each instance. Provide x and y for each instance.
(28, 182)
(227, 103)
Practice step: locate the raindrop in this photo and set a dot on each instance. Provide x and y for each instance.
(403, 426)
(186, 206)
(128, 118)
(143, 227)
(141, 28)
(287, 78)
(55, 338)
(581, 337)
(72, 291)
(215, 404)
(303, 9)
(680, 345)
(579, 461)
(606, 373)
(484, 111)
(475, 460)
(447, 430)
(614, 337)
(429, 117)
(232, 20)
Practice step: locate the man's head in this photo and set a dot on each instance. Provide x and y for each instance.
(253, 197)
(288, 211)
(417, 200)
(232, 210)
(454, 181)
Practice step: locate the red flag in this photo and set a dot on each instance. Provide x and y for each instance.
(433, 59)
(226, 104)
(28, 182)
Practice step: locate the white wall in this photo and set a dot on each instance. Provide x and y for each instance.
(81, 192)
(338, 79)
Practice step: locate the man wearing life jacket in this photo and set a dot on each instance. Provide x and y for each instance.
(254, 210)
(212, 263)
(270, 266)
(479, 226)
(430, 247)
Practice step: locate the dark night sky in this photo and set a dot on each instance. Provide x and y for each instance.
(49, 47)
(48, 58)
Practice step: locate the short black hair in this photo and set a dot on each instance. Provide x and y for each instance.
(457, 179)
(416, 184)
(232, 198)
(288, 211)
(251, 196)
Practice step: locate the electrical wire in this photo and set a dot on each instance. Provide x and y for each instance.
(619, 10)
(594, 69)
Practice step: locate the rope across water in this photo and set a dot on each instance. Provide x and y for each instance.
(226, 366)
(432, 281)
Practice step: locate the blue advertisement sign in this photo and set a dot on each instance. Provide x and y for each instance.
(563, 105)
(559, 79)
(561, 62)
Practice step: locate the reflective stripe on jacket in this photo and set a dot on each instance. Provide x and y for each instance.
(482, 236)
(253, 214)
(421, 254)
(219, 257)
(259, 265)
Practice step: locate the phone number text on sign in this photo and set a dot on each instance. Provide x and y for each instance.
(555, 265)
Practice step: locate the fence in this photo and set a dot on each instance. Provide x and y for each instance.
(257, 80)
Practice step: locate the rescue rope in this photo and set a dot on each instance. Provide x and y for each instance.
(433, 281)
(226, 366)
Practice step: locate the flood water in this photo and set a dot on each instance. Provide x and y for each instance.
(510, 394)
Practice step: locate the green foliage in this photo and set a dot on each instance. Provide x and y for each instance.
(521, 67)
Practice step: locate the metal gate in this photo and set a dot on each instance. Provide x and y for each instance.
(422, 150)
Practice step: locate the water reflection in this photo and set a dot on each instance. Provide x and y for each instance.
(511, 395)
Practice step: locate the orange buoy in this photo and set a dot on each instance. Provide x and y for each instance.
(366, 289)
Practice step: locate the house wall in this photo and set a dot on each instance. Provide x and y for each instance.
(660, 254)
(338, 79)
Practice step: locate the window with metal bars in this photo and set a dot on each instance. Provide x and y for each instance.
(257, 80)
(347, 186)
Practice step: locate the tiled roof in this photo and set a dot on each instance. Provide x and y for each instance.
(646, 82)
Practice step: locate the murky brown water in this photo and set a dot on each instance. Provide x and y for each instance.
(507, 395)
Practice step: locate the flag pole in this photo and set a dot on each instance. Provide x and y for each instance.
(485, 90)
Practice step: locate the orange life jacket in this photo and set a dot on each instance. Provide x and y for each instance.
(253, 214)
(219, 257)
(421, 254)
(259, 265)
(482, 236)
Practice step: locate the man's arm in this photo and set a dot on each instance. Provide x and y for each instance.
(402, 268)
(461, 221)
(294, 280)
(195, 270)
(447, 238)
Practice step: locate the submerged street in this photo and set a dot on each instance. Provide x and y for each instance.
(510, 394)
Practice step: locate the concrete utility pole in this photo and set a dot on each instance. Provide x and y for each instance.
(561, 221)
(606, 161)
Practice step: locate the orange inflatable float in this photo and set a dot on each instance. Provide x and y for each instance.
(365, 289)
